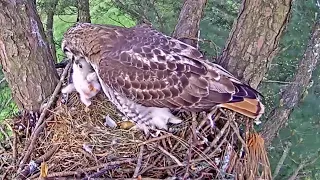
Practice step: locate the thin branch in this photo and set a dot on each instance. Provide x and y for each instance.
(27, 170)
(160, 21)
(2, 131)
(2, 80)
(117, 21)
(31, 146)
(217, 138)
(53, 96)
(279, 82)
(192, 141)
(171, 156)
(136, 171)
(132, 12)
(94, 168)
(40, 125)
(155, 139)
(101, 172)
(236, 130)
(301, 166)
(198, 39)
(6, 104)
(14, 149)
(281, 161)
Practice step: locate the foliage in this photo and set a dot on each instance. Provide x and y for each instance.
(302, 129)
(7, 106)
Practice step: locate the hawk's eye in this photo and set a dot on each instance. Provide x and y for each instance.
(80, 66)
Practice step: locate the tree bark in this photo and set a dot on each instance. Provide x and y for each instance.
(187, 28)
(254, 38)
(51, 7)
(83, 11)
(293, 93)
(25, 55)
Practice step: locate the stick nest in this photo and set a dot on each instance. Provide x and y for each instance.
(75, 143)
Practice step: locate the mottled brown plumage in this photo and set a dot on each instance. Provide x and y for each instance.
(155, 70)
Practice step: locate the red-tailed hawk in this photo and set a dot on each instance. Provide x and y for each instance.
(145, 74)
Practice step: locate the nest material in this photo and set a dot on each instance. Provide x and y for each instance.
(79, 145)
(75, 143)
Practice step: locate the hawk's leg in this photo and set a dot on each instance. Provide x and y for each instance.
(145, 118)
(153, 118)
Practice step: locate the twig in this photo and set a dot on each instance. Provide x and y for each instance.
(279, 82)
(192, 140)
(31, 146)
(152, 165)
(281, 161)
(46, 156)
(70, 173)
(53, 96)
(39, 126)
(221, 143)
(117, 21)
(217, 138)
(6, 172)
(101, 172)
(203, 40)
(184, 162)
(2, 80)
(171, 156)
(137, 15)
(88, 155)
(5, 135)
(158, 17)
(301, 166)
(14, 149)
(236, 130)
(136, 171)
(155, 139)
(6, 104)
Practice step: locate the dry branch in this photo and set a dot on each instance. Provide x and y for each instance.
(136, 171)
(301, 166)
(281, 161)
(40, 125)
(106, 165)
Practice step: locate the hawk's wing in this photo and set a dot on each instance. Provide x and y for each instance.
(156, 70)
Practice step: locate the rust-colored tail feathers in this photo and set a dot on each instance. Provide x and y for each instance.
(252, 108)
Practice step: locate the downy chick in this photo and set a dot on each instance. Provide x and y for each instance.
(85, 81)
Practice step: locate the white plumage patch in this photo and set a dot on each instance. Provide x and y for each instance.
(85, 82)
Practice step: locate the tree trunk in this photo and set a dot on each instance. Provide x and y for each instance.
(49, 26)
(83, 11)
(190, 16)
(293, 93)
(254, 38)
(25, 55)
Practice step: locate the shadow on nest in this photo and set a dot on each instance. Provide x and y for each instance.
(76, 143)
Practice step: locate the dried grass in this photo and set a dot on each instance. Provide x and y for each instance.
(76, 144)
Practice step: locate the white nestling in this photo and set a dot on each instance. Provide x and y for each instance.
(84, 81)
(146, 74)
